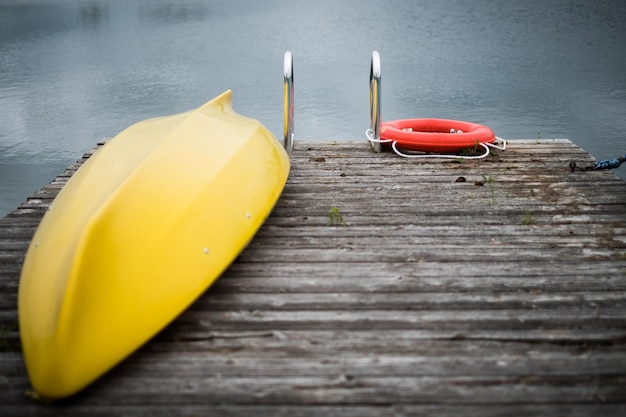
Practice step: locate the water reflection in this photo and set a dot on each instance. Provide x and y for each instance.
(93, 15)
(20, 22)
(172, 12)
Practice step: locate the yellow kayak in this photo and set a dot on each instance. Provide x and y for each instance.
(143, 228)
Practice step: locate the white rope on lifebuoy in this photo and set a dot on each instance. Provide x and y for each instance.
(370, 136)
(440, 155)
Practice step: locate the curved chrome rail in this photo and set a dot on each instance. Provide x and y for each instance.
(375, 100)
(288, 101)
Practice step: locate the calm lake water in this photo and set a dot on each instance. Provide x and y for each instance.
(72, 71)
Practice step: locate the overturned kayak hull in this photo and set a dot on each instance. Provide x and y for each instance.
(145, 226)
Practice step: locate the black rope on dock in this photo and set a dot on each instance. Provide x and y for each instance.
(604, 164)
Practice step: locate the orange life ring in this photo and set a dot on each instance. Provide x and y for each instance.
(435, 135)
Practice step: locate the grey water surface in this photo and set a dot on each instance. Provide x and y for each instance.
(75, 71)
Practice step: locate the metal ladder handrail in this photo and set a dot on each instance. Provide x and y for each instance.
(288, 95)
(375, 101)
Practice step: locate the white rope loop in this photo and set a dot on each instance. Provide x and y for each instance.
(499, 147)
(369, 134)
(440, 156)
(486, 145)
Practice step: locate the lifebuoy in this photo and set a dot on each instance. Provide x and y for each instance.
(435, 135)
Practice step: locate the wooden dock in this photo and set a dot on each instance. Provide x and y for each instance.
(382, 286)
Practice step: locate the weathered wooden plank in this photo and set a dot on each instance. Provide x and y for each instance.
(374, 320)
(320, 217)
(372, 410)
(411, 301)
(261, 363)
(398, 242)
(346, 389)
(434, 253)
